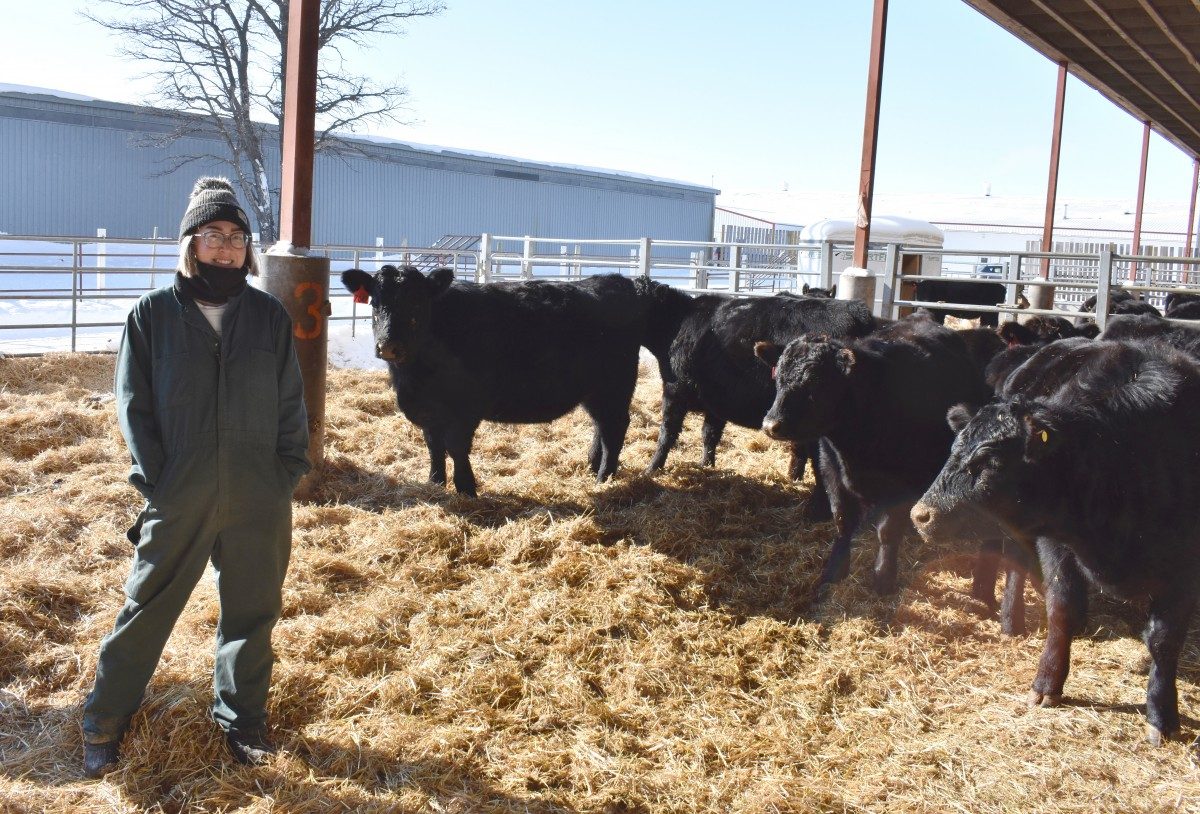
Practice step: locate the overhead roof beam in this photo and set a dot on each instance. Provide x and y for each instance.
(1151, 60)
(1170, 34)
(1142, 55)
(1086, 41)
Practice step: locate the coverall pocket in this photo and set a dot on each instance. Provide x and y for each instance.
(134, 534)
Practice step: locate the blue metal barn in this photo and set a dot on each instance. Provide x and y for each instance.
(70, 165)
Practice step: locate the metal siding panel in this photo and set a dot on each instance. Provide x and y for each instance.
(84, 170)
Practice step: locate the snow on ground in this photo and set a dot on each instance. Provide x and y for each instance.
(345, 350)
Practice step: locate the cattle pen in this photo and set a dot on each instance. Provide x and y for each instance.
(72, 293)
(551, 646)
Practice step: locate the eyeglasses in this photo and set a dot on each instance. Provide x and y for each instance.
(216, 240)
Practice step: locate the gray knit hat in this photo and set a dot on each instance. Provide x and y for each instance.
(212, 199)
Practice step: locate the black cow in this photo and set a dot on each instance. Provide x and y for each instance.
(714, 372)
(1181, 305)
(1093, 457)
(982, 343)
(814, 291)
(961, 292)
(1036, 330)
(1150, 327)
(460, 354)
(1023, 341)
(1120, 301)
(878, 406)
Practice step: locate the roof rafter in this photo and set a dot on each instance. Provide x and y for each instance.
(1143, 55)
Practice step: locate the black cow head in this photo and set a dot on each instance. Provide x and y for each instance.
(813, 291)
(401, 306)
(811, 379)
(996, 472)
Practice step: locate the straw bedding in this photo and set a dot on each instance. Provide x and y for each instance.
(553, 646)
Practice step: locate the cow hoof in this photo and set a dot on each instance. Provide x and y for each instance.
(1038, 699)
(819, 593)
(1012, 629)
(987, 597)
(884, 584)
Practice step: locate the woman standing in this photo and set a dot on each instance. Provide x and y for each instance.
(210, 403)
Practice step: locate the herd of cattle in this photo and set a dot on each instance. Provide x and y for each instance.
(1051, 448)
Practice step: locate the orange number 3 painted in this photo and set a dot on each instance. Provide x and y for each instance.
(314, 309)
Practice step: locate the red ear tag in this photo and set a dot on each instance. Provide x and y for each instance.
(361, 296)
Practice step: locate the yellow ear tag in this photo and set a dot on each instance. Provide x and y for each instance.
(1045, 437)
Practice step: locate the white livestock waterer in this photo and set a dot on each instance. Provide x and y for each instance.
(909, 232)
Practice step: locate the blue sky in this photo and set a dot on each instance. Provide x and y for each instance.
(749, 95)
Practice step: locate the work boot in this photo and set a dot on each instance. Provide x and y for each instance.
(100, 758)
(250, 747)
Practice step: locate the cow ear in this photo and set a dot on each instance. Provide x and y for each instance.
(845, 360)
(959, 416)
(441, 279)
(768, 352)
(804, 290)
(359, 283)
(1014, 334)
(1042, 437)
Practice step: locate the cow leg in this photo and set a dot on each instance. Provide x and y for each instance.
(711, 433)
(983, 575)
(596, 452)
(458, 444)
(798, 460)
(818, 509)
(610, 413)
(611, 432)
(891, 528)
(437, 454)
(1066, 614)
(1012, 606)
(847, 516)
(1165, 632)
(674, 410)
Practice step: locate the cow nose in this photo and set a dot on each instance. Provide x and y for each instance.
(921, 515)
(385, 351)
(772, 427)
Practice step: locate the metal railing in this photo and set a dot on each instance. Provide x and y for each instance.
(73, 293)
(1070, 276)
(749, 269)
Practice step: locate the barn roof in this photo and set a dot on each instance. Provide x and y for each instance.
(1140, 54)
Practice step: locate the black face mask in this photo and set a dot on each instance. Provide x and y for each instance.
(216, 284)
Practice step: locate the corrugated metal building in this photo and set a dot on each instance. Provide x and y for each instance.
(70, 165)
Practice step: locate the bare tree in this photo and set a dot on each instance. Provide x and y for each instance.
(222, 61)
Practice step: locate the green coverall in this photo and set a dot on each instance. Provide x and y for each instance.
(217, 431)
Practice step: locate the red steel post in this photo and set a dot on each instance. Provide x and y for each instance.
(866, 182)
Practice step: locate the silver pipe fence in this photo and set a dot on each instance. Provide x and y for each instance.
(73, 293)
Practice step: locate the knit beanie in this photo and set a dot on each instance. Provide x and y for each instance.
(212, 199)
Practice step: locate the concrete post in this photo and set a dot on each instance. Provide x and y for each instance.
(857, 284)
(301, 283)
